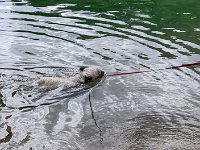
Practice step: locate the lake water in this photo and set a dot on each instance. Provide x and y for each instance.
(157, 110)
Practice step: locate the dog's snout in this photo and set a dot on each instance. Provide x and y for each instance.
(102, 73)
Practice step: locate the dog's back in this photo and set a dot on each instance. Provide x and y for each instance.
(49, 82)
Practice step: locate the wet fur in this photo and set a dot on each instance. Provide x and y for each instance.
(86, 74)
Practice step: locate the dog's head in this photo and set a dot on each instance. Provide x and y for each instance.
(90, 74)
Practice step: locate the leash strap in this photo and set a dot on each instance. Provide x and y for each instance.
(140, 72)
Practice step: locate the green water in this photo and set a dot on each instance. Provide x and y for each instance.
(157, 110)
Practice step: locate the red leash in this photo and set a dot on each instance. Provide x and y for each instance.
(139, 72)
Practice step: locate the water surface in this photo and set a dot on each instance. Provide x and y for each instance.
(158, 110)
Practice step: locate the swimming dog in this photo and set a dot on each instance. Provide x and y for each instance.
(86, 74)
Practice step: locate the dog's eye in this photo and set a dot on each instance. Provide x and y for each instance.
(88, 79)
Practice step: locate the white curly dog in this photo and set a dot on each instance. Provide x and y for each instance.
(86, 74)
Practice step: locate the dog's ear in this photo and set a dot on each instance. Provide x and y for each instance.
(82, 68)
(88, 79)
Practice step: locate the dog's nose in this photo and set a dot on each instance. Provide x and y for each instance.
(102, 73)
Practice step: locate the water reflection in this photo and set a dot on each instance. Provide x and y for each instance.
(155, 110)
(8, 136)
